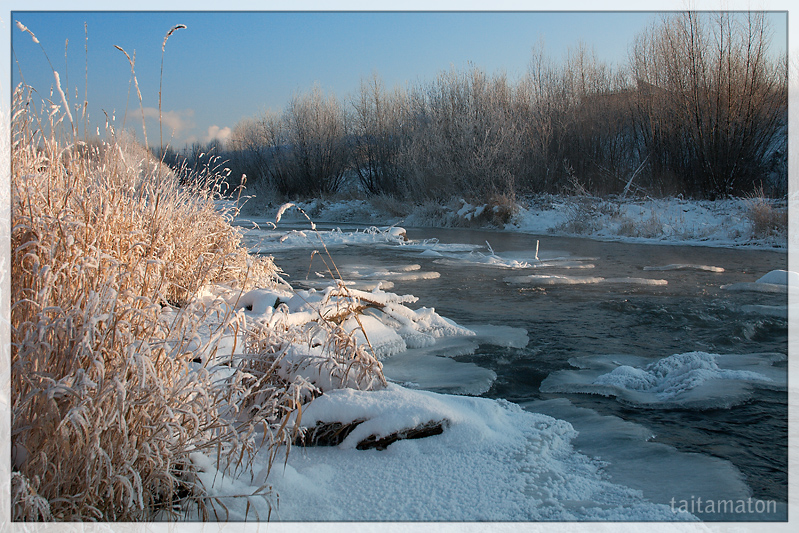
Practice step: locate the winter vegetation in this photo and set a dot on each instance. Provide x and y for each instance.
(160, 369)
(131, 355)
(699, 109)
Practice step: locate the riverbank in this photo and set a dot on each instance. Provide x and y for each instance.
(756, 222)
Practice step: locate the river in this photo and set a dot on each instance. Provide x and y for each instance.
(593, 301)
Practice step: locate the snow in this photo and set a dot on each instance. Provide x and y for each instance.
(649, 220)
(494, 460)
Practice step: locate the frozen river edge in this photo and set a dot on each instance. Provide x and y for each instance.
(633, 508)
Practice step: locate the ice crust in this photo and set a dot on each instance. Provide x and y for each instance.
(693, 380)
(632, 457)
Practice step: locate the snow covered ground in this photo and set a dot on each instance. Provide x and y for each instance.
(670, 220)
(487, 460)
(491, 460)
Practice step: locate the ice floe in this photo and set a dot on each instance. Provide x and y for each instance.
(776, 281)
(693, 380)
(540, 280)
(680, 266)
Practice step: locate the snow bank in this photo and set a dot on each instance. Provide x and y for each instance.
(381, 317)
(694, 380)
(493, 462)
(265, 241)
(669, 220)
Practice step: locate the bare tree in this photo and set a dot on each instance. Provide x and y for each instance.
(377, 123)
(316, 128)
(713, 104)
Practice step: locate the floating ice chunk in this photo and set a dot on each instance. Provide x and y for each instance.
(430, 253)
(507, 336)
(553, 279)
(696, 380)
(780, 277)
(559, 279)
(411, 272)
(771, 288)
(776, 281)
(637, 281)
(701, 268)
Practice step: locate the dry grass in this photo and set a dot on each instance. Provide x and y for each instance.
(115, 345)
(766, 220)
(585, 214)
(110, 384)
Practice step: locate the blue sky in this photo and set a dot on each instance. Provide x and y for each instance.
(226, 66)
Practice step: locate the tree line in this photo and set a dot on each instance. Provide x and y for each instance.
(699, 109)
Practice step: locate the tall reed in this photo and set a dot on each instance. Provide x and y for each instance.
(111, 389)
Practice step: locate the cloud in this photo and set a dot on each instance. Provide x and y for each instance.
(174, 122)
(217, 133)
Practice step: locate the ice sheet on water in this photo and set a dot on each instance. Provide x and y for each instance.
(660, 471)
(425, 368)
(265, 241)
(510, 260)
(776, 281)
(681, 266)
(369, 276)
(539, 280)
(694, 380)
(431, 367)
(525, 259)
(430, 246)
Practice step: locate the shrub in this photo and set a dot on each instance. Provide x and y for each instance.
(765, 218)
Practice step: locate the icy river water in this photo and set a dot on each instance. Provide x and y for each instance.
(589, 307)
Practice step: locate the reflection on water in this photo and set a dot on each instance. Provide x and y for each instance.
(683, 308)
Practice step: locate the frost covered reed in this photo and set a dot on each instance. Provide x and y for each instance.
(111, 384)
(133, 363)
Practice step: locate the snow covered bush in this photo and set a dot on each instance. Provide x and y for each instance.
(587, 214)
